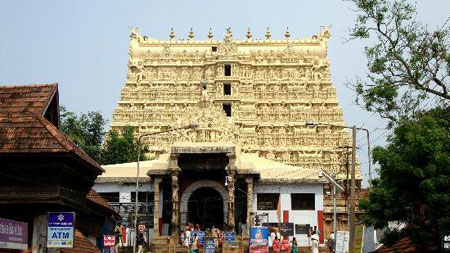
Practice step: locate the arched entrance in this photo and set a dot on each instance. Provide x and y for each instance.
(205, 207)
(211, 186)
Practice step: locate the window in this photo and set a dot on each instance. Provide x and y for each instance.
(143, 197)
(110, 196)
(227, 70)
(302, 201)
(267, 201)
(227, 109)
(214, 49)
(227, 89)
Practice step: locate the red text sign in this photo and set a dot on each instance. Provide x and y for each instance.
(109, 240)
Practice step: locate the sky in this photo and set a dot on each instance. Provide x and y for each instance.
(83, 45)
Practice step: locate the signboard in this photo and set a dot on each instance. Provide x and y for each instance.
(302, 229)
(13, 234)
(109, 241)
(287, 229)
(200, 236)
(259, 236)
(230, 236)
(342, 241)
(446, 243)
(359, 229)
(209, 246)
(60, 230)
(258, 249)
(369, 241)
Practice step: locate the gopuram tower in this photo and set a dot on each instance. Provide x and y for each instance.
(258, 94)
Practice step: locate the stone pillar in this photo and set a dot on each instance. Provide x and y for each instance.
(231, 173)
(156, 182)
(249, 182)
(175, 170)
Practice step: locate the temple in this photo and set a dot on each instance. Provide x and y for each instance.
(268, 121)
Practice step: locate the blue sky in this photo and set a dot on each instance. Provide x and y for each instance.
(83, 45)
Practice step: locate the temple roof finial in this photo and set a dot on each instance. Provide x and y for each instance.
(229, 32)
(210, 34)
(249, 33)
(191, 34)
(172, 34)
(268, 36)
(287, 35)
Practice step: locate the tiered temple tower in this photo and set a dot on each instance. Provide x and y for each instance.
(259, 94)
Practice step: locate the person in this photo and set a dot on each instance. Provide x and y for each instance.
(258, 234)
(276, 245)
(314, 242)
(294, 248)
(187, 237)
(182, 237)
(285, 246)
(140, 241)
(215, 236)
(310, 231)
(117, 236)
(330, 242)
(271, 237)
(195, 246)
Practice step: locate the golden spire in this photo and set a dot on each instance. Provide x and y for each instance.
(191, 34)
(268, 36)
(287, 35)
(249, 33)
(172, 34)
(210, 34)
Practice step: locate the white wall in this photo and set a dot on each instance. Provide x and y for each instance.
(124, 190)
(295, 216)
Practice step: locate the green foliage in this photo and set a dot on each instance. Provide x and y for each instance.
(414, 183)
(408, 64)
(86, 130)
(121, 148)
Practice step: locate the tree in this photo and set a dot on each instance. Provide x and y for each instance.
(408, 65)
(86, 130)
(121, 148)
(414, 184)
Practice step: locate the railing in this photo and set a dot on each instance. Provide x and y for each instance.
(127, 211)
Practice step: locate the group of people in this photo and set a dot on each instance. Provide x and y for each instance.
(275, 245)
(191, 230)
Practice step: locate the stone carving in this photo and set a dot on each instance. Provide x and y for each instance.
(277, 86)
(228, 47)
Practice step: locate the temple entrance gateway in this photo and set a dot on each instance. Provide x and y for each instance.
(205, 207)
(194, 193)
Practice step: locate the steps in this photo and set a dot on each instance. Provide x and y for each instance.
(167, 244)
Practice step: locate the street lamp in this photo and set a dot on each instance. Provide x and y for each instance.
(190, 126)
(352, 192)
(331, 179)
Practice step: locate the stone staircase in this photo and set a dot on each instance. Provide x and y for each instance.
(167, 244)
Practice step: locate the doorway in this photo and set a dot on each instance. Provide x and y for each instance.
(205, 207)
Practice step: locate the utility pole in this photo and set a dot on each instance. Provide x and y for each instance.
(347, 187)
(352, 196)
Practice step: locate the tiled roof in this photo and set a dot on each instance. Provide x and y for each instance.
(96, 198)
(81, 245)
(403, 245)
(23, 128)
(34, 98)
(27, 132)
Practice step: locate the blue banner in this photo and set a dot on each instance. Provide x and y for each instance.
(209, 246)
(230, 236)
(200, 236)
(259, 236)
(60, 230)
